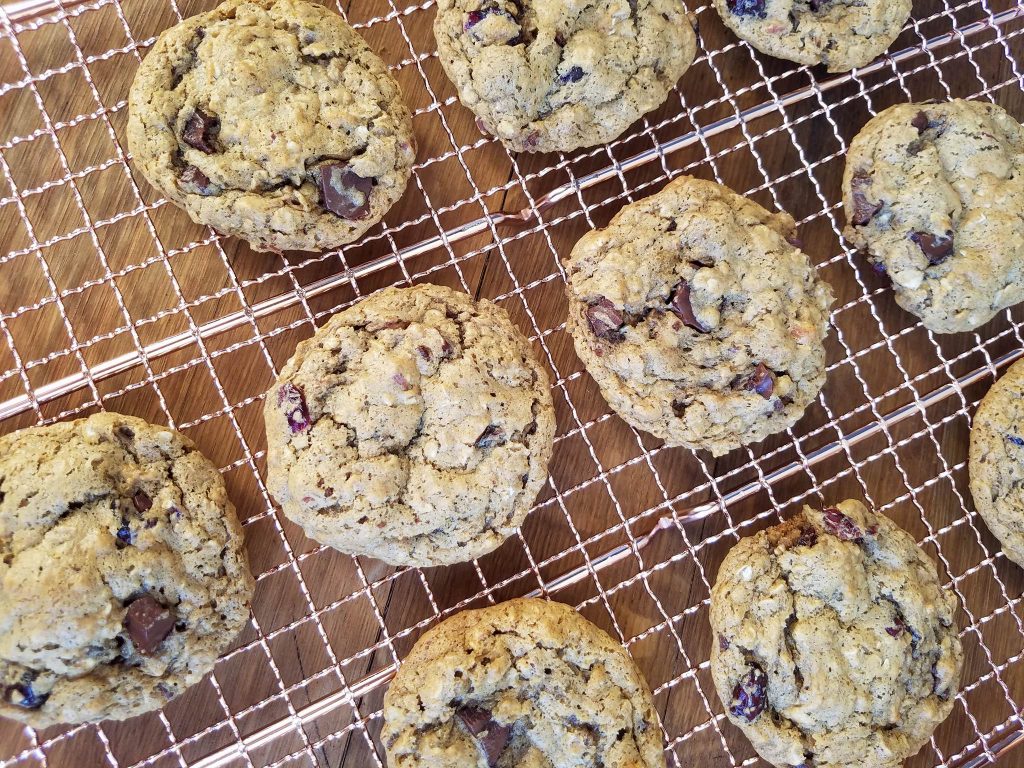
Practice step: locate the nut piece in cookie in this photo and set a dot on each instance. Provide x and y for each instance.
(273, 121)
(837, 644)
(521, 683)
(414, 427)
(934, 194)
(699, 317)
(555, 75)
(123, 572)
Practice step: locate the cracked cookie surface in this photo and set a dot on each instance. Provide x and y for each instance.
(935, 194)
(834, 643)
(698, 318)
(272, 120)
(842, 34)
(997, 461)
(522, 683)
(414, 427)
(558, 75)
(123, 573)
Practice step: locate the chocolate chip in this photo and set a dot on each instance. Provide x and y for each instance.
(124, 537)
(142, 501)
(920, 122)
(343, 192)
(126, 432)
(200, 130)
(148, 623)
(574, 75)
(761, 381)
(750, 694)
(491, 436)
(293, 401)
(679, 303)
(840, 525)
(1016, 440)
(489, 734)
(605, 320)
(723, 643)
(747, 8)
(817, 5)
(559, 39)
(863, 209)
(808, 537)
(22, 694)
(937, 248)
(196, 179)
(879, 268)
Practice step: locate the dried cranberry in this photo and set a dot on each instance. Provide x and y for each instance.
(491, 735)
(605, 320)
(795, 241)
(491, 436)
(898, 628)
(841, 526)
(294, 402)
(937, 248)
(343, 192)
(863, 209)
(920, 122)
(196, 179)
(761, 381)
(200, 130)
(401, 382)
(723, 643)
(750, 694)
(808, 537)
(148, 623)
(680, 304)
(574, 75)
(142, 501)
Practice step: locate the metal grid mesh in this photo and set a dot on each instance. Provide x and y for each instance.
(110, 298)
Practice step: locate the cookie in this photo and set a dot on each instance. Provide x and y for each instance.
(123, 574)
(414, 427)
(522, 683)
(934, 194)
(273, 121)
(839, 34)
(996, 463)
(556, 75)
(834, 643)
(699, 318)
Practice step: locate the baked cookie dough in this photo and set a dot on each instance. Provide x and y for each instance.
(935, 194)
(522, 683)
(556, 75)
(834, 643)
(699, 318)
(123, 573)
(414, 427)
(997, 461)
(840, 34)
(273, 121)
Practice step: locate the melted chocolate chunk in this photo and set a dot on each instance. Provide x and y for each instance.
(761, 381)
(196, 179)
(200, 130)
(937, 248)
(148, 623)
(344, 193)
(750, 694)
(679, 303)
(293, 401)
(490, 735)
(574, 75)
(605, 320)
(491, 436)
(863, 209)
(841, 526)
(142, 501)
(920, 122)
(808, 537)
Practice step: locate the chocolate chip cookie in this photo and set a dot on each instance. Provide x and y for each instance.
(997, 461)
(414, 427)
(522, 683)
(834, 643)
(557, 75)
(699, 317)
(273, 121)
(123, 574)
(840, 34)
(935, 194)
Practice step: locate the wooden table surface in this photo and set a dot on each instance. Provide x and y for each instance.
(94, 265)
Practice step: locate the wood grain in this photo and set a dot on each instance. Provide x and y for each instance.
(72, 297)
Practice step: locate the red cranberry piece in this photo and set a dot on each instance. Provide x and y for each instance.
(196, 179)
(761, 381)
(937, 248)
(200, 130)
(344, 193)
(863, 209)
(574, 75)
(841, 526)
(148, 623)
(748, 8)
(142, 501)
(491, 436)
(750, 694)
(808, 537)
(898, 628)
(489, 734)
(920, 122)
(401, 382)
(680, 304)
(605, 320)
(293, 401)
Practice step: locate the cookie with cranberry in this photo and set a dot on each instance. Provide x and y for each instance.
(123, 572)
(934, 193)
(557, 75)
(997, 461)
(273, 121)
(834, 643)
(699, 317)
(521, 683)
(414, 427)
(837, 33)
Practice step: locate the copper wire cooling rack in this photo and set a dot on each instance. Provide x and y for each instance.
(111, 298)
